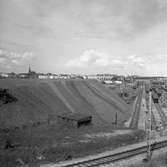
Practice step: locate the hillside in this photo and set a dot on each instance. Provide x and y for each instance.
(37, 100)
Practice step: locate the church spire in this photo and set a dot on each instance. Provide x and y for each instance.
(29, 69)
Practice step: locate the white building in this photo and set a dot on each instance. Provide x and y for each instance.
(42, 76)
(4, 75)
(108, 82)
(64, 76)
(104, 77)
(91, 76)
(47, 76)
(118, 82)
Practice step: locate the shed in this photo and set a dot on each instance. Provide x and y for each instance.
(75, 119)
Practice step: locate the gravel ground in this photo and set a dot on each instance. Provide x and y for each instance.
(138, 160)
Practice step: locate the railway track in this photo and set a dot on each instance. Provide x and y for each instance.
(162, 114)
(135, 117)
(104, 98)
(153, 121)
(104, 160)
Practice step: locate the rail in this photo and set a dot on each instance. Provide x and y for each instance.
(162, 114)
(117, 156)
(135, 116)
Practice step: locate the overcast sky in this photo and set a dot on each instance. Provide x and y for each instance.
(84, 36)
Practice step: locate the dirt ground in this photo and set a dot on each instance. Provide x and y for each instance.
(55, 145)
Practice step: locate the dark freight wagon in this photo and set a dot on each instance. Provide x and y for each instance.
(155, 97)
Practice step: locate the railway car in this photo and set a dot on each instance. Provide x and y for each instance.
(155, 97)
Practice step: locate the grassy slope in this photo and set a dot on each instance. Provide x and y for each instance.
(104, 110)
(36, 100)
(104, 102)
(111, 95)
(86, 105)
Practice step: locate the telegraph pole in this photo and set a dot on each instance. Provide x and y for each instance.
(148, 125)
(116, 118)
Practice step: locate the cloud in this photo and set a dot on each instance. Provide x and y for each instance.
(121, 19)
(90, 58)
(2, 60)
(93, 59)
(113, 19)
(10, 58)
(159, 57)
(148, 63)
(136, 59)
(1, 51)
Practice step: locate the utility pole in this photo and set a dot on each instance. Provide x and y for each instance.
(116, 118)
(149, 127)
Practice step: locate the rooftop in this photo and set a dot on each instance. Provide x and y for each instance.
(75, 116)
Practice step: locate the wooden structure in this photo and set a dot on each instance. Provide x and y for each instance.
(74, 119)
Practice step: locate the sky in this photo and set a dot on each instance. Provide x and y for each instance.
(127, 37)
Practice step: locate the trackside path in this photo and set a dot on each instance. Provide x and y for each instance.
(127, 123)
(137, 108)
(142, 115)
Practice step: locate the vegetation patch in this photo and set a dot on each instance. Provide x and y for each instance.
(48, 144)
(160, 161)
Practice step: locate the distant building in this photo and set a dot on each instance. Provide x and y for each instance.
(105, 77)
(29, 74)
(4, 75)
(108, 82)
(92, 77)
(75, 76)
(118, 82)
(22, 75)
(64, 76)
(85, 77)
(48, 76)
(52, 76)
(32, 74)
(42, 76)
(129, 79)
(12, 75)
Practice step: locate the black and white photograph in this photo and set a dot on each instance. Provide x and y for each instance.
(83, 83)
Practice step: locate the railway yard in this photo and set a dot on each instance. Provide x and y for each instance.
(131, 155)
(118, 129)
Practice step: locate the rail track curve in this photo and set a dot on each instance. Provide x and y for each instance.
(111, 158)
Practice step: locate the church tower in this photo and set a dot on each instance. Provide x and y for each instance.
(29, 69)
